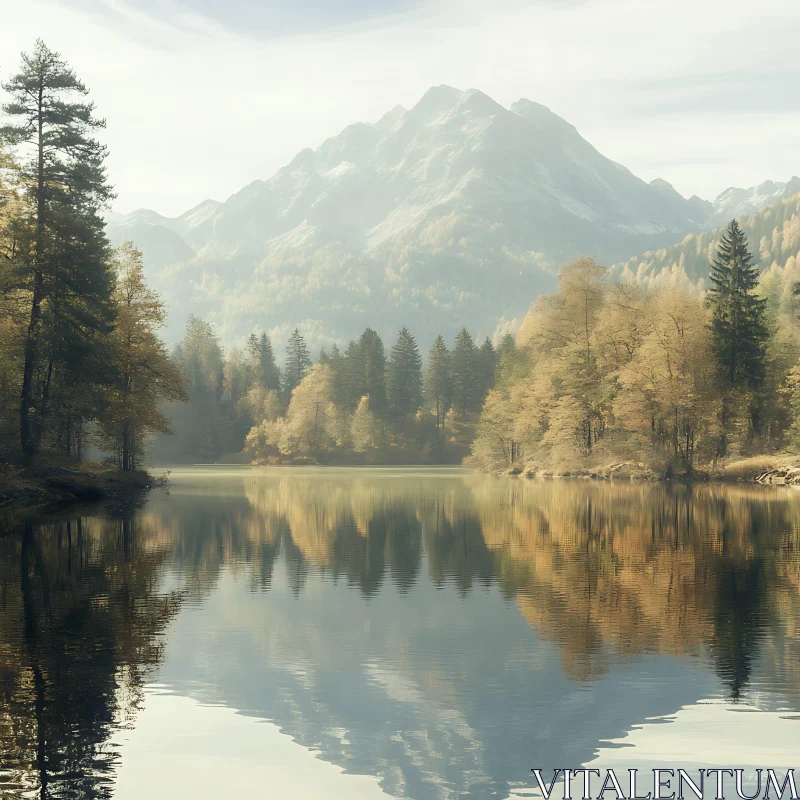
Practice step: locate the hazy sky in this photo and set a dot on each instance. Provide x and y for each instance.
(204, 96)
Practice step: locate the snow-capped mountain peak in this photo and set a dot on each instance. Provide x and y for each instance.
(455, 210)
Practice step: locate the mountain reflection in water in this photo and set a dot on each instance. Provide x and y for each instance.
(438, 632)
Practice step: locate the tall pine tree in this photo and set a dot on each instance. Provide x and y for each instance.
(404, 383)
(262, 362)
(487, 364)
(465, 374)
(738, 328)
(438, 386)
(373, 371)
(66, 265)
(298, 363)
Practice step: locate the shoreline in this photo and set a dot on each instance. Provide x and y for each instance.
(762, 470)
(60, 487)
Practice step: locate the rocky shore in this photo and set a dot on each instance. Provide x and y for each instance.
(765, 470)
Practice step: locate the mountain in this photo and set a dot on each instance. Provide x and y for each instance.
(735, 203)
(772, 231)
(456, 212)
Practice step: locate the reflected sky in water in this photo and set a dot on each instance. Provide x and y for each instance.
(395, 633)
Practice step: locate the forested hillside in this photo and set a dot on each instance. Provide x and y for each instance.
(774, 232)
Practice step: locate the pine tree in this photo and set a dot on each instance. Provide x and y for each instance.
(487, 364)
(262, 362)
(464, 374)
(373, 371)
(66, 265)
(438, 387)
(347, 369)
(506, 347)
(201, 425)
(738, 327)
(404, 383)
(298, 363)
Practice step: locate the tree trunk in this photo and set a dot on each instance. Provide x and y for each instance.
(126, 446)
(27, 434)
(29, 439)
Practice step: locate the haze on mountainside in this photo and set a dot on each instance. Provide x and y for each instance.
(456, 211)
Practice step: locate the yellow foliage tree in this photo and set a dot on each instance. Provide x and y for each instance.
(145, 375)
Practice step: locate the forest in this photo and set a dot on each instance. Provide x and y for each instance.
(359, 405)
(609, 371)
(611, 374)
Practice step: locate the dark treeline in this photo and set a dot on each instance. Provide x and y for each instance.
(80, 359)
(362, 403)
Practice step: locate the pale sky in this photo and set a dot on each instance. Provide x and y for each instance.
(204, 96)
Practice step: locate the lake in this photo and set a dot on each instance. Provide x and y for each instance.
(391, 633)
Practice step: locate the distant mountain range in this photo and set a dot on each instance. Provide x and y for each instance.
(455, 212)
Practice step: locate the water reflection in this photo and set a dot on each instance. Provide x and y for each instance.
(441, 632)
(79, 625)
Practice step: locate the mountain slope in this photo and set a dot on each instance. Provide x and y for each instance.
(455, 212)
(736, 202)
(773, 233)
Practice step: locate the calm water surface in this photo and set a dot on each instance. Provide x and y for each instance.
(370, 634)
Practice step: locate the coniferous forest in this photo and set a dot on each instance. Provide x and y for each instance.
(608, 374)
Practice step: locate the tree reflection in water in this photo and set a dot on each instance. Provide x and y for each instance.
(80, 620)
(609, 572)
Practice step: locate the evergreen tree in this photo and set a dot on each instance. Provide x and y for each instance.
(438, 387)
(487, 364)
(738, 327)
(64, 257)
(349, 378)
(298, 363)
(201, 425)
(464, 374)
(404, 384)
(262, 362)
(373, 371)
(506, 347)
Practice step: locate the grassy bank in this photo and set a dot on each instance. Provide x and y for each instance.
(51, 486)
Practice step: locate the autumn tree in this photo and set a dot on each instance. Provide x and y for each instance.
(667, 389)
(309, 424)
(145, 374)
(365, 430)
